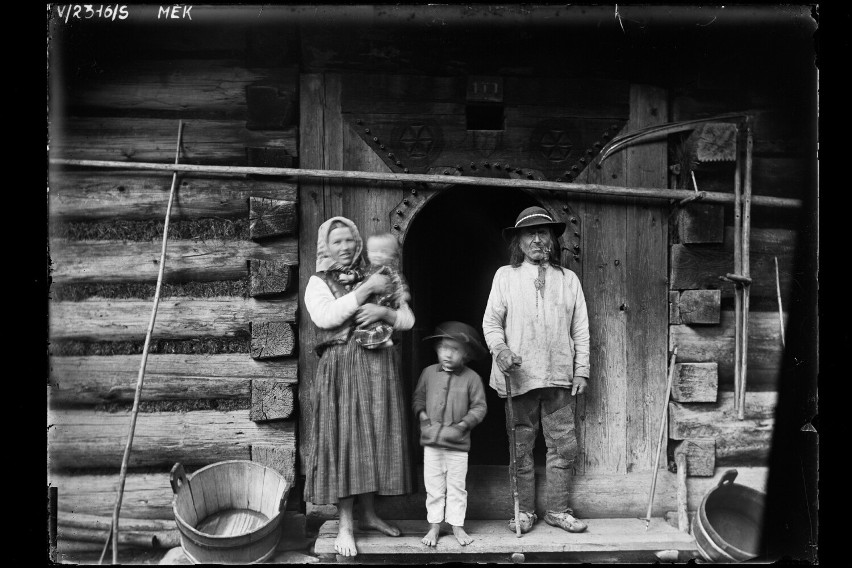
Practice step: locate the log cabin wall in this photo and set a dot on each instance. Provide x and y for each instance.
(228, 352)
(222, 372)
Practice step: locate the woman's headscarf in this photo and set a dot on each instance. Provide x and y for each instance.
(324, 260)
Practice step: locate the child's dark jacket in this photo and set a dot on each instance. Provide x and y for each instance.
(449, 398)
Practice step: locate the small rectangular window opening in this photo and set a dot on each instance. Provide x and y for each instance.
(485, 117)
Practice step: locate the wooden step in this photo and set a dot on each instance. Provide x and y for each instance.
(606, 540)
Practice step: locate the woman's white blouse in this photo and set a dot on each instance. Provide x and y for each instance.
(328, 312)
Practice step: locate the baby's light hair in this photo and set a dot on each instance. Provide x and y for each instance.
(386, 238)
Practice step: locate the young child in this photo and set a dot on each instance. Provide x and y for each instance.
(449, 401)
(383, 254)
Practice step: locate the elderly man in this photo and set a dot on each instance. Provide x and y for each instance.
(537, 329)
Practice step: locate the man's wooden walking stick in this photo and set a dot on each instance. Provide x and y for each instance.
(512, 455)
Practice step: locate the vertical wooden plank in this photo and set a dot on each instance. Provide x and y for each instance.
(254, 488)
(333, 126)
(368, 206)
(312, 214)
(604, 434)
(647, 288)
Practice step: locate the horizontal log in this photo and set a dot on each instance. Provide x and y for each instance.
(92, 380)
(78, 262)
(177, 318)
(700, 455)
(146, 496)
(700, 306)
(270, 400)
(211, 86)
(108, 195)
(101, 522)
(737, 441)
(771, 176)
(131, 537)
(90, 439)
(707, 344)
(438, 180)
(695, 382)
(215, 142)
(697, 267)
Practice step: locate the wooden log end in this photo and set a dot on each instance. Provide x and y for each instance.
(271, 399)
(695, 382)
(699, 455)
(268, 277)
(272, 339)
(674, 308)
(278, 457)
(701, 223)
(271, 217)
(700, 306)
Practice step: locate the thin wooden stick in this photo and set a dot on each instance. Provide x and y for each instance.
(663, 421)
(745, 264)
(682, 515)
(780, 308)
(580, 188)
(513, 456)
(135, 412)
(738, 290)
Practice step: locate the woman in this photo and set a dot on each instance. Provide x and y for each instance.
(358, 426)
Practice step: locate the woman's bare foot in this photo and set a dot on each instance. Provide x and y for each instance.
(462, 536)
(431, 538)
(373, 522)
(344, 544)
(368, 519)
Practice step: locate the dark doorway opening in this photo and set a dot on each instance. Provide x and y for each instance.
(451, 253)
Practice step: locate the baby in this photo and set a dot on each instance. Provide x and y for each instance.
(383, 254)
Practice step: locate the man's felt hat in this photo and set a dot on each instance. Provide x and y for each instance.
(531, 217)
(462, 333)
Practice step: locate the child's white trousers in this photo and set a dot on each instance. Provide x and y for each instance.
(444, 473)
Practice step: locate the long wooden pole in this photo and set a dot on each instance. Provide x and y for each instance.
(579, 188)
(663, 421)
(135, 412)
(738, 289)
(745, 267)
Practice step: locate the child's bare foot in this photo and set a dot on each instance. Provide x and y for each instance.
(373, 522)
(431, 538)
(462, 536)
(344, 544)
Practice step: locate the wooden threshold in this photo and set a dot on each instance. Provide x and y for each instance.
(606, 540)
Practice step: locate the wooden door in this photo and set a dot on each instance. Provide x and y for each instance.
(617, 246)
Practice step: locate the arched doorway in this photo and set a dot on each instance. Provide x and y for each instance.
(451, 252)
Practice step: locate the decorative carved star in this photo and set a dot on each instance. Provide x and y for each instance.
(417, 139)
(555, 145)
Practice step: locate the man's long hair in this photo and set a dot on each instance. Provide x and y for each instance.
(516, 255)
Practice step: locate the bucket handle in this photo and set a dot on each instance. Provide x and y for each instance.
(177, 477)
(728, 478)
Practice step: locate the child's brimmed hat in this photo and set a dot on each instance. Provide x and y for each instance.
(531, 217)
(462, 333)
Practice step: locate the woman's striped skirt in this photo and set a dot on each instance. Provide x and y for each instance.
(359, 433)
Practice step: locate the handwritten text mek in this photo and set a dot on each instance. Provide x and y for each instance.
(174, 12)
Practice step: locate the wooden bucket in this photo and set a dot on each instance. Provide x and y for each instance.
(727, 526)
(229, 512)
